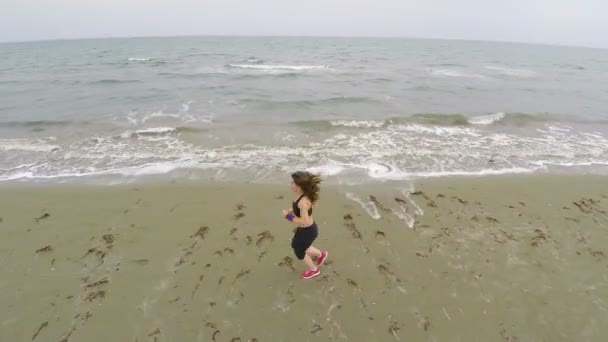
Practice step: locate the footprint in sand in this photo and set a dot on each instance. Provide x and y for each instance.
(538, 238)
(96, 293)
(491, 219)
(264, 236)
(239, 211)
(201, 233)
(387, 272)
(421, 194)
(101, 294)
(378, 204)
(461, 201)
(44, 249)
(288, 263)
(155, 332)
(430, 203)
(393, 329)
(352, 284)
(109, 240)
(349, 223)
(597, 254)
(506, 336)
(42, 326)
(241, 274)
(42, 217)
(200, 280)
(261, 256)
(290, 297)
(316, 328)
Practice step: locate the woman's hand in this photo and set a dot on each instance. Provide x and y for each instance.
(285, 212)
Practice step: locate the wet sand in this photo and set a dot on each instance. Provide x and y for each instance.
(488, 259)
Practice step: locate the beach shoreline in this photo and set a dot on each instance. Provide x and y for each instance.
(500, 258)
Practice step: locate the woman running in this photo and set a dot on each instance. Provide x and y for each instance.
(306, 187)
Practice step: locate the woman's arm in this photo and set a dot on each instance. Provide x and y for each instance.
(304, 219)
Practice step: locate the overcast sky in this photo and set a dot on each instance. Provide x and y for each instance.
(571, 22)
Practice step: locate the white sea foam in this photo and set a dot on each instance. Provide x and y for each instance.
(369, 206)
(156, 130)
(358, 123)
(393, 152)
(159, 114)
(330, 169)
(278, 67)
(513, 72)
(456, 73)
(31, 145)
(486, 119)
(402, 214)
(138, 59)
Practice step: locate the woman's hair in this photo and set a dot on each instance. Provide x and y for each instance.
(309, 183)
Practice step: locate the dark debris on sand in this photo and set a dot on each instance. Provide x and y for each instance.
(201, 232)
(378, 204)
(42, 326)
(42, 217)
(44, 249)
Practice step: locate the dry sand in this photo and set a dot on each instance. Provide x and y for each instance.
(488, 259)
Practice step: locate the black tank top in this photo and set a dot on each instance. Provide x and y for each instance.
(296, 209)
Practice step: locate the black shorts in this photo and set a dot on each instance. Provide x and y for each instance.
(303, 238)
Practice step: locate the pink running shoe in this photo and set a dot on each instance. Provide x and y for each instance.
(310, 274)
(321, 259)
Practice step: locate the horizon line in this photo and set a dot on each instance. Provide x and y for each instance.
(564, 45)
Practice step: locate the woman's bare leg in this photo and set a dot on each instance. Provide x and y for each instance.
(313, 252)
(309, 263)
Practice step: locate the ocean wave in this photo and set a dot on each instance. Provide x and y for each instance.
(111, 81)
(456, 73)
(338, 100)
(29, 145)
(138, 59)
(161, 131)
(450, 119)
(513, 72)
(358, 123)
(42, 123)
(253, 60)
(275, 75)
(278, 67)
(399, 151)
(487, 119)
(183, 116)
(380, 80)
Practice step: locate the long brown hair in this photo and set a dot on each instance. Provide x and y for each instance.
(309, 183)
